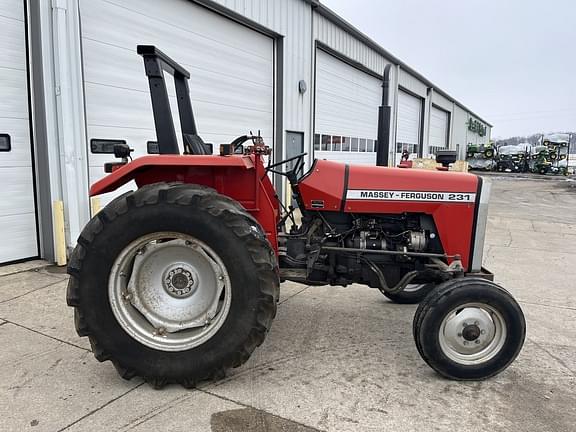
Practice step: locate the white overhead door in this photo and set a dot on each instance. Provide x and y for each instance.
(439, 130)
(346, 114)
(18, 238)
(409, 124)
(231, 68)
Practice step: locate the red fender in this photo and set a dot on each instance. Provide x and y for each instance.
(242, 178)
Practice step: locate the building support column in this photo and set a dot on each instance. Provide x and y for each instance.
(66, 100)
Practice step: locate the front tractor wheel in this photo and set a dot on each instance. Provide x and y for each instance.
(174, 283)
(469, 329)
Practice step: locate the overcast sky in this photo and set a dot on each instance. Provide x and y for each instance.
(512, 62)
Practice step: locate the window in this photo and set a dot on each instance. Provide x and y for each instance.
(345, 144)
(336, 143)
(354, 146)
(412, 148)
(369, 145)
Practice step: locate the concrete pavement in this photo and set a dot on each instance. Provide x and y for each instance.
(336, 359)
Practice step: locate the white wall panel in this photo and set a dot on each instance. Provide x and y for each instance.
(442, 102)
(409, 118)
(231, 67)
(460, 131)
(347, 99)
(17, 206)
(409, 125)
(413, 84)
(345, 43)
(439, 128)
(293, 20)
(347, 102)
(348, 157)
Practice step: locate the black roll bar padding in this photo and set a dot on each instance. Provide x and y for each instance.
(155, 64)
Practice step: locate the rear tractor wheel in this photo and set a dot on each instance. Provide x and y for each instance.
(174, 283)
(469, 329)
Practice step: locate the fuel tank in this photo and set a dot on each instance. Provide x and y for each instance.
(450, 198)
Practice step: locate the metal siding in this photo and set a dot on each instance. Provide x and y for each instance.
(17, 207)
(442, 102)
(460, 131)
(338, 39)
(293, 20)
(412, 84)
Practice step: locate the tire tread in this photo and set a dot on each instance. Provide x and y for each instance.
(235, 217)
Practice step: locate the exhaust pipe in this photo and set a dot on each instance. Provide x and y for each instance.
(384, 115)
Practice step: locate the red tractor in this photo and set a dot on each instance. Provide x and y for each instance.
(178, 281)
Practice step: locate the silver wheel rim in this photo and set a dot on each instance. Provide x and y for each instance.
(169, 291)
(472, 334)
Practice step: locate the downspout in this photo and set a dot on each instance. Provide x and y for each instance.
(384, 113)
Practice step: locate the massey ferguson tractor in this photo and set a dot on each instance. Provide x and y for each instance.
(178, 281)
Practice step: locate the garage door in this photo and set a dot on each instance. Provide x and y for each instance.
(439, 130)
(409, 124)
(231, 67)
(18, 239)
(347, 101)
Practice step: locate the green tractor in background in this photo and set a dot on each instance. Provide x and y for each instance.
(540, 160)
(551, 157)
(483, 150)
(481, 157)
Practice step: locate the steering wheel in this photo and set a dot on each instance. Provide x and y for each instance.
(292, 175)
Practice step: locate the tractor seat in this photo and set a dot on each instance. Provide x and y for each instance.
(195, 144)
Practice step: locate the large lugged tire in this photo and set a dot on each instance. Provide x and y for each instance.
(412, 294)
(469, 329)
(174, 283)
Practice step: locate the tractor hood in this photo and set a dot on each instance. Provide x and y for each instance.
(334, 186)
(456, 201)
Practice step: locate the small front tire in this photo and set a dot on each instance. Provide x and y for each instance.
(469, 329)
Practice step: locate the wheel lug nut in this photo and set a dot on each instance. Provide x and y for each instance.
(477, 341)
(459, 334)
(465, 324)
(476, 323)
(482, 331)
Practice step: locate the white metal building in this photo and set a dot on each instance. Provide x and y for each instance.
(290, 68)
